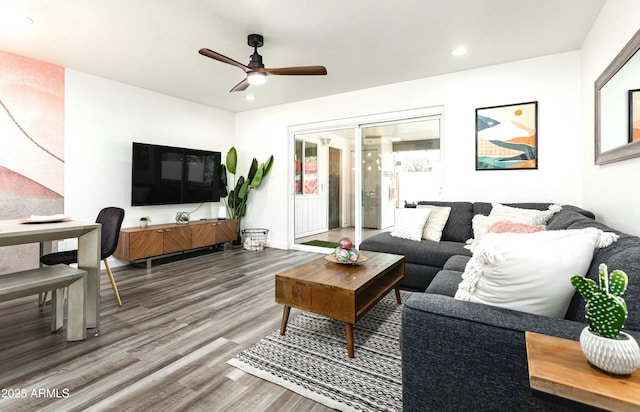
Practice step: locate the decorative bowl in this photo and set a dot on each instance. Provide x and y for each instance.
(333, 259)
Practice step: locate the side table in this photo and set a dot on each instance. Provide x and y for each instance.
(558, 366)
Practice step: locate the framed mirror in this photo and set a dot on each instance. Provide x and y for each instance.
(615, 114)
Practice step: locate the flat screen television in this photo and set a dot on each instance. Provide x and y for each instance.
(165, 175)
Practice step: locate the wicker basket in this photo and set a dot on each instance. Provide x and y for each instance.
(254, 239)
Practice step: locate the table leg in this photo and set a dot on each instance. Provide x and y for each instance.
(57, 309)
(398, 296)
(89, 260)
(46, 247)
(349, 332)
(76, 310)
(285, 319)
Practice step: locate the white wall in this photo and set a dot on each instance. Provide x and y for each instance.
(554, 81)
(103, 118)
(610, 191)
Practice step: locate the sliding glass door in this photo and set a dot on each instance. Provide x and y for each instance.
(351, 181)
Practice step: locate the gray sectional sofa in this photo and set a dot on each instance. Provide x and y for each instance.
(459, 355)
(424, 259)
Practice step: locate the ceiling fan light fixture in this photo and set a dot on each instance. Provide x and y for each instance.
(256, 78)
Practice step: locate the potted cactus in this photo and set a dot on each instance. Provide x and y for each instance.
(603, 342)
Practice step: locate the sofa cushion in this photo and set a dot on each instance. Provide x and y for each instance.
(458, 227)
(566, 219)
(456, 262)
(445, 283)
(425, 252)
(623, 255)
(418, 277)
(530, 272)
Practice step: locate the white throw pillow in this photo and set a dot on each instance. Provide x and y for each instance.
(435, 222)
(530, 272)
(410, 223)
(526, 216)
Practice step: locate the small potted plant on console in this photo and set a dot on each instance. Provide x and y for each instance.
(603, 342)
(144, 221)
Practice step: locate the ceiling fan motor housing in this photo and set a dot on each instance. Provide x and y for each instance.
(255, 41)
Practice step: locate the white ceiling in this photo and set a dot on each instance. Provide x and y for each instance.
(154, 44)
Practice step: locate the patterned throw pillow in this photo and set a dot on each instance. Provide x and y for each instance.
(410, 223)
(435, 222)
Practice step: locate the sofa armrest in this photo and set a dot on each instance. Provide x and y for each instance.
(466, 356)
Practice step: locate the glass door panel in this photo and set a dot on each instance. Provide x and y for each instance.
(306, 168)
(400, 161)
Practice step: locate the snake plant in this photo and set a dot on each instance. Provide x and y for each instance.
(605, 309)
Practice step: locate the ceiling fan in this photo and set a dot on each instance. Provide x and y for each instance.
(255, 70)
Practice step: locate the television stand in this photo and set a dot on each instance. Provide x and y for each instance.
(154, 241)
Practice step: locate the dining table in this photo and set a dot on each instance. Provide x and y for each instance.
(44, 232)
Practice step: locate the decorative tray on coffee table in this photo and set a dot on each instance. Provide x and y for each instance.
(332, 258)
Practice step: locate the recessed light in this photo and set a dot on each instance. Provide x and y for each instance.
(249, 97)
(459, 51)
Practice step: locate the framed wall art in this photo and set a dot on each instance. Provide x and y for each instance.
(634, 115)
(507, 137)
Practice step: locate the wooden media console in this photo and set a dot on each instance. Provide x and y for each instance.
(142, 243)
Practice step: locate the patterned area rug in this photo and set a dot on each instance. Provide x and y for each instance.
(311, 359)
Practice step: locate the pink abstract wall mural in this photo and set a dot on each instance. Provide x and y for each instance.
(31, 142)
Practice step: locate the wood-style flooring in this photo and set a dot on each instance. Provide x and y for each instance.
(165, 349)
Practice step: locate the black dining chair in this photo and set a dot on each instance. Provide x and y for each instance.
(111, 220)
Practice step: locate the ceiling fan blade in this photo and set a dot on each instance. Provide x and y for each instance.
(299, 71)
(221, 58)
(240, 86)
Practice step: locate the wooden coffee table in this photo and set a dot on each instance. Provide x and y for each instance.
(341, 292)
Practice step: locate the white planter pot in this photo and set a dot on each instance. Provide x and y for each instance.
(619, 356)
